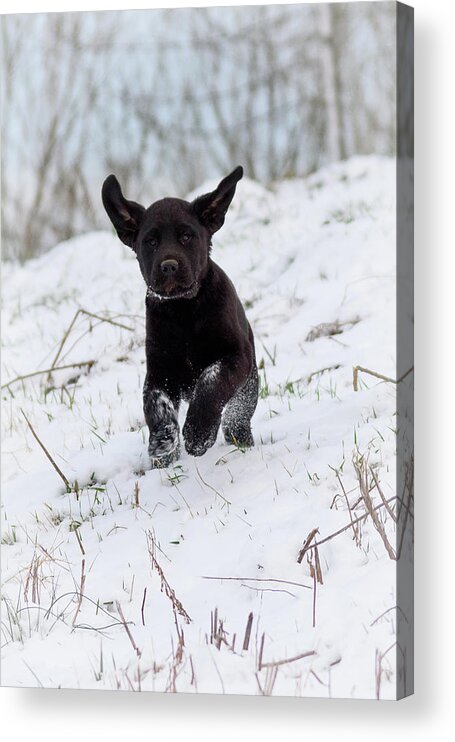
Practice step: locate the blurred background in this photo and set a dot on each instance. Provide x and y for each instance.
(166, 99)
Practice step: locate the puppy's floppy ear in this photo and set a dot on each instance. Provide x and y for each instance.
(126, 216)
(211, 208)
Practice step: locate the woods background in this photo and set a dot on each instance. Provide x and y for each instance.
(169, 98)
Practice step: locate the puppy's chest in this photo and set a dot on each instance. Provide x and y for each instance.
(188, 346)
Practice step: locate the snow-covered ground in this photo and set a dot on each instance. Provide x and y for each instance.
(137, 579)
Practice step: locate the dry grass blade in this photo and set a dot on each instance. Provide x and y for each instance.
(261, 652)
(43, 447)
(324, 329)
(218, 634)
(212, 488)
(127, 629)
(355, 527)
(7, 384)
(246, 640)
(345, 528)
(80, 591)
(355, 376)
(317, 565)
(177, 659)
(270, 678)
(79, 540)
(169, 592)
(33, 580)
(277, 663)
(258, 579)
(361, 468)
(143, 606)
(407, 505)
(73, 322)
(306, 544)
(382, 496)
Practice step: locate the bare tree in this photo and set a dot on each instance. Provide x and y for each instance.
(168, 98)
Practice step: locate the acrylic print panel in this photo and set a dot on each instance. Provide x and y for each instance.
(277, 567)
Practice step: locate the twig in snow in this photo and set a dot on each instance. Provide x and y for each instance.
(47, 371)
(217, 631)
(409, 487)
(212, 488)
(381, 494)
(258, 579)
(361, 468)
(79, 540)
(268, 590)
(126, 627)
(270, 678)
(80, 592)
(57, 469)
(169, 592)
(321, 371)
(345, 494)
(72, 323)
(291, 659)
(306, 544)
(246, 640)
(384, 613)
(355, 376)
(315, 582)
(143, 606)
(261, 652)
(345, 528)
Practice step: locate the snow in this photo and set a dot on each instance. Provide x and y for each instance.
(308, 254)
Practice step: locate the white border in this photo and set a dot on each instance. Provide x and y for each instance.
(86, 716)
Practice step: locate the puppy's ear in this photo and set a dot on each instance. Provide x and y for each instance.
(126, 216)
(211, 208)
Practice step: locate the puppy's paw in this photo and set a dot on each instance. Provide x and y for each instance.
(163, 440)
(241, 437)
(198, 441)
(163, 462)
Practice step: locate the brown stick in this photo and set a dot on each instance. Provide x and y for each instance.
(354, 530)
(79, 540)
(355, 376)
(261, 652)
(314, 596)
(345, 528)
(72, 323)
(409, 486)
(321, 371)
(360, 466)
(306, 543)
(246, 640)
(81, 591)
(130, 636)
(259, 579)
(382, 496)
(143, 606)
(228, 502)
(169, 592)
(291, 659)
(57, 469)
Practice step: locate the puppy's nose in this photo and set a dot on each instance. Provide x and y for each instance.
(169, 266)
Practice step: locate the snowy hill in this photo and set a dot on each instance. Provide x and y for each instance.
(115, 581)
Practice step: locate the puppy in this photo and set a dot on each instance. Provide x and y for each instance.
(199, 344)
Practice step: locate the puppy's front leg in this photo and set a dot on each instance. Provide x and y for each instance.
(161, 418)
(213, 390)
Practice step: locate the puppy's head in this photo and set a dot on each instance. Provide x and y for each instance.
(172, 237)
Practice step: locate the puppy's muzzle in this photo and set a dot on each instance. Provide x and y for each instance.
(169, 267)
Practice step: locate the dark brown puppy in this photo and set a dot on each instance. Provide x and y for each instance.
(199, 344)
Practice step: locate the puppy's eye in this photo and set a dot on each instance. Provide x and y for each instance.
(152, 241)
(185, 237)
